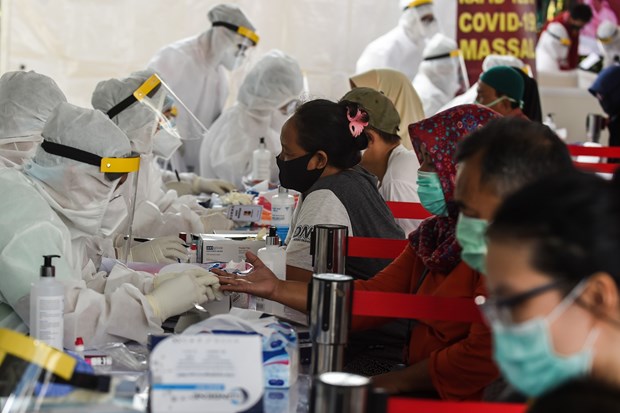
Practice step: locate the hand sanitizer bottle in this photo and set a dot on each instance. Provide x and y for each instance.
(261, 162)
(274, 257)
(47, 298)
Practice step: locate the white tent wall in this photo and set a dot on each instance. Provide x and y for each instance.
(80, 42)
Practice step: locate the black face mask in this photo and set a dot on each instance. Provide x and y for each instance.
(294, 175)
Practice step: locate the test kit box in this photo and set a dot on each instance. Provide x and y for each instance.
(222, 249)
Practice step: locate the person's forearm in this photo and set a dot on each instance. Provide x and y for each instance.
(410, 379)
(292, 294)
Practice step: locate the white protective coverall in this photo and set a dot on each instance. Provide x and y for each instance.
(608, 36)
(437, 81)
(26, 100)
(226, 151)
(195, 68)
(552, 48)
(401, 48)
(159, 212)
(490, 61)
(48, 208)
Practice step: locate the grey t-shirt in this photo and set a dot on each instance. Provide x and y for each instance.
(349, 198)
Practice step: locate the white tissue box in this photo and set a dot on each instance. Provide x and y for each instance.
(216, 248)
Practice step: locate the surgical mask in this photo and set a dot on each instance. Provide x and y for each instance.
(232, 59)
(431, 193)
(525, 353)
(165, 144)
(470, 234)
(294, 175)
(490, 105)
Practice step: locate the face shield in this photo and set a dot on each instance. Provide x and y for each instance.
(163, 103)
(419, 20)
(16, 151)
(243, 42)
(31, 370)
(122, 171)
(450, 68)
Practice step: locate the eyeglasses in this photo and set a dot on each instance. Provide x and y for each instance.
(500, 309)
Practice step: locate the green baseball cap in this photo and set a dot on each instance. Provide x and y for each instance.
(382, 114)
(506, 81)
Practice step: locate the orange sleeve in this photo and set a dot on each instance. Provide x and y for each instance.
(395, 278)
(463, 370)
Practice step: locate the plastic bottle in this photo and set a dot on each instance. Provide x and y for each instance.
(274, 257)
(282, 206)
(47, 304)
(550, 122)
(192, 253)
(261, 162)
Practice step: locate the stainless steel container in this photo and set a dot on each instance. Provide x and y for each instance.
(328, 247)
(331, 299)
(594, 125)
(337, 392)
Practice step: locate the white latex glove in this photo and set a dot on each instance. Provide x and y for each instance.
(164, 250)
(209, 186)
(216, 220)
(182, 188)
(179, 294)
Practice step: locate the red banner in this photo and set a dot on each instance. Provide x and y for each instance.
(505, 27)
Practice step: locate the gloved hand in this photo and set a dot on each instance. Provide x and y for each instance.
(182, 188)
(164, 250)
(216, 220)
(179, 294)
(209, 186)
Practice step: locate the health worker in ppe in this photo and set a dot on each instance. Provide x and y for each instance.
(266, 99)
(196, 67)
(609, 43)
(62, 195)
(552, 49)
(554, 283)
(398, 88)
(442, 74)
(159, 212)
(26, 101)
(401, 48)
(501, 89)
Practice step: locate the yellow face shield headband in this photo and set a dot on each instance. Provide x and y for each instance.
(453, 53)
(114, 168)
(243, 31)
(146, 89)
(417, 3)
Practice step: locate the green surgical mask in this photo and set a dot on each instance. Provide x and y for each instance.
(470, 233)
(431, 193)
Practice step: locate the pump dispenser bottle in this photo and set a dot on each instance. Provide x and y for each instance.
(47, 298)
(261, 162)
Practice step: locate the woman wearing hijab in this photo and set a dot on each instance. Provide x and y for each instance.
(445, 359)
(398, 88)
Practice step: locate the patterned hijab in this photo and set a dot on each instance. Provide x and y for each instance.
(434, 241)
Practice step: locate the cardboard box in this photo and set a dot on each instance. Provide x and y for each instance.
(216, 248)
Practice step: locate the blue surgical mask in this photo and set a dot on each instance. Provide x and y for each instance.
(470, 233)
(431, 193)
(526, 357)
